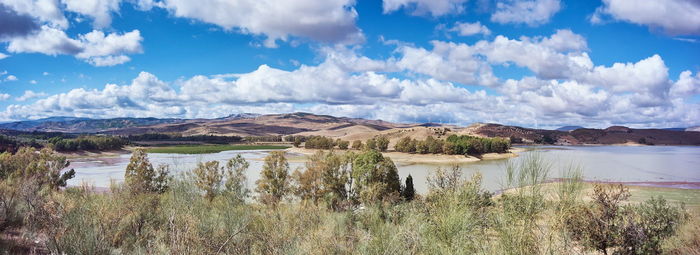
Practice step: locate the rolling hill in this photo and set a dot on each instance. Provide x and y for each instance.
(247, 124)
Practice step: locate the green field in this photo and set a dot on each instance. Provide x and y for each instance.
(201, 149)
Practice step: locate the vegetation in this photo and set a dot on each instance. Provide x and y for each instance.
(177, 137)
(202, 149)
(339, 204)
(319, 142)
(454, 145)
(88, 143)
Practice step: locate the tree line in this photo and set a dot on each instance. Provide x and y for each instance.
(453, 145)
(88, 143)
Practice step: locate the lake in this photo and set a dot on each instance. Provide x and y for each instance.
(669, 166)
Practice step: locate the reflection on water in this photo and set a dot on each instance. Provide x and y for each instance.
(640, 164)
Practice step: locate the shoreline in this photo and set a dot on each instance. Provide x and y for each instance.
(410, 158)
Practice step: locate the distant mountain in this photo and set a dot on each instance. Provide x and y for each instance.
(82, 125)
(568, 128)
(610, 135)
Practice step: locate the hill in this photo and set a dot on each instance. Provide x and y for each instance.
(350, 129)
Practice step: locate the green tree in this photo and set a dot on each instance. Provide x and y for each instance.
(382, 143)
(408, 192)
(140, 176)
(236, 178)
(406, 144)
(273, 184)
(371, 144)
(376, 176)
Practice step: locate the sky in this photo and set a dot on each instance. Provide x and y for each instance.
(532, 63)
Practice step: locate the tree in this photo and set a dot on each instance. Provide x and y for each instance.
(208, 178)
(376, 176)
(382, 143)
(236, 178)
(343, 145)
(371, 144)
(357, 145)
(140, 176)
(297, 141)
(408, 192)
(406, 144)
(273, 184)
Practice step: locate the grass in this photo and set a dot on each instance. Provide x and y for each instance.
(201, 149)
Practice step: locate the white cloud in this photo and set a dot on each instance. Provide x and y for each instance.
(11, 78)
(94, 47)
(326, 21)
(28, 94)
(468, 29)
(45, 73)
(4, 96)
(686, 85)
(447, 61)
(647, 75)
(3, 56)
(99, 10)
(434, 8)
(530, 12)
(48, 11)
(32, 82)
(676, 17)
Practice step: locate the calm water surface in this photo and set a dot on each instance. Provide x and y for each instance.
(675, 166)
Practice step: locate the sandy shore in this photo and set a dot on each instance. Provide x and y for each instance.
(408, 158)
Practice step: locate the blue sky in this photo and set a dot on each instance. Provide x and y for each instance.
(535, 63)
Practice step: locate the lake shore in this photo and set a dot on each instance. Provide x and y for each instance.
(413, 158)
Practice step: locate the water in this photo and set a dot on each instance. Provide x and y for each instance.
(675, 166)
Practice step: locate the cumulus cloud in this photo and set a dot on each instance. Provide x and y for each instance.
(468, 29)
(4, 96)
(434, 8)
(94, 47)
(15, 24)
(47, 11)
(326, 21)
(99, 10)
(28, 94)
(675, 17)
(413, 84)
(530, 12)
(11, 78)
(3, 55)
